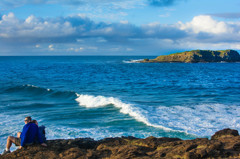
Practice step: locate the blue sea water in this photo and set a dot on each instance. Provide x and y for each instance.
(112, 96)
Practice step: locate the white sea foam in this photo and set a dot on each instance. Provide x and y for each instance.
(133, 61)
(97, 133)
(33, 86)
(201, 120)
(29, 85)
(90, 101)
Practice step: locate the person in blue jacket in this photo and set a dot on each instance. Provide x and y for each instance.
(29, 133)
(42, 132)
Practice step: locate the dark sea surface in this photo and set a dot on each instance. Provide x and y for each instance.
(112, 96)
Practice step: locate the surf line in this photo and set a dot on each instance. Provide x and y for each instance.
(90, 101)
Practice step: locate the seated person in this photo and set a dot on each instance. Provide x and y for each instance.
(41, 130)
(29, 133)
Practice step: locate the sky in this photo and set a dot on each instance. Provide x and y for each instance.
(117, 27)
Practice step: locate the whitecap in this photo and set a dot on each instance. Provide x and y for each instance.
(133, 61)
(90, 101)
(201, 120)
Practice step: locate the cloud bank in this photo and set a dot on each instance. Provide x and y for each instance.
(75, 27)
(79, 34)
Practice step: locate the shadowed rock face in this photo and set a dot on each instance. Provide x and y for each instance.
(223, 144)
(195, 56)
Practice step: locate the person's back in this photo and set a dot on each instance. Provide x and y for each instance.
(42, 134)
(29, 133)
(41, 131)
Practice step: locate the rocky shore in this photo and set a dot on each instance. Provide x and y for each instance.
(196, 56)
(223, 144)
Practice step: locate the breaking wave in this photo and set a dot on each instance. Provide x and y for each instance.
(87, 101)
(198, 119)
(90, 101)
(133, 61)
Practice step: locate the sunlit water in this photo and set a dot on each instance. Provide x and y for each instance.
(102, 97)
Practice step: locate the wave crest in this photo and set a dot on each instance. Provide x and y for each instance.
(90, 101)
(133, 61)
(36, 91)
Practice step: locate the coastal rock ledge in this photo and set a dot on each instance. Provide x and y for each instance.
(223, 144)
(196, 56)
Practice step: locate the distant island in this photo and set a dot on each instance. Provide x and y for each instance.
(196, 56)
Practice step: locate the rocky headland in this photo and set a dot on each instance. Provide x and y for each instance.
(223, 144)
(196, 56)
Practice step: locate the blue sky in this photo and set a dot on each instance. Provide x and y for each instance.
(126, 27)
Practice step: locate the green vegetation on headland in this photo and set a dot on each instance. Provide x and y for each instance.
(195, 56)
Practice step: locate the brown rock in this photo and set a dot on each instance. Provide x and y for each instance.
(224, 133)
(224, 144)
(236, 146)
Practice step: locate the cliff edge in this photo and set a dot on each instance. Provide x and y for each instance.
(223, 144)
(195, 56)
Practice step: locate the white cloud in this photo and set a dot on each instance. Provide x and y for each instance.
(205, 23)
(32, 27)
(80, 49)
(9, 19)
(72, 28)
(51, 47)
(205, 30)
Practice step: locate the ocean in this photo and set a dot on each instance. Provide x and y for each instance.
(114, 96)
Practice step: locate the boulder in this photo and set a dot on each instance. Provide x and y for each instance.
(224, 133)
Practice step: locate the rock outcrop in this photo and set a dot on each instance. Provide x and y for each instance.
(195, 56)
(223, 144)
